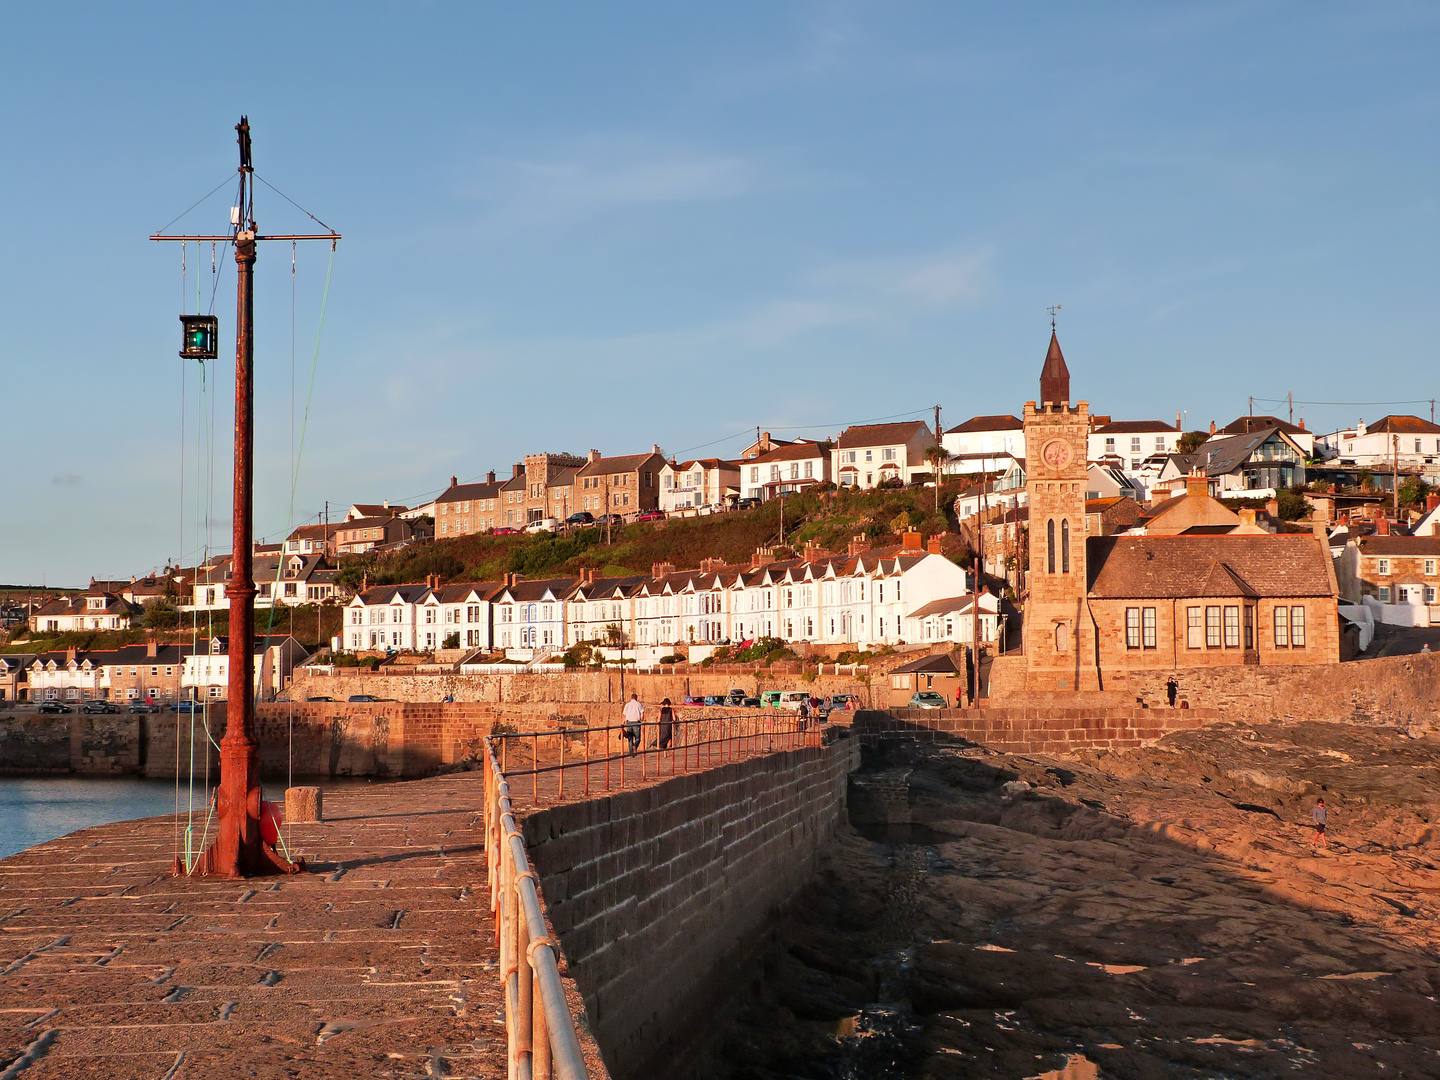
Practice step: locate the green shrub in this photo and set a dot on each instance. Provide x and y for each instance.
(452, 640)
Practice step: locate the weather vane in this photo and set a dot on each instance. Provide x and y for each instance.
(1052, 310)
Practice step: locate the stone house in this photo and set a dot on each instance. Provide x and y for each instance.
(466, 509)
(625, 485)
(1397, 577)
(149, 672)
(13, 668)
(311, 540)
(366, 534)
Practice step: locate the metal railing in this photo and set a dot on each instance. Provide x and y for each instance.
(601, 758)
(540, 1032)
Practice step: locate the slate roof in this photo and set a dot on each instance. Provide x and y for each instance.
(880, 434)
(1175, 567)
(1402, 425)
(1244, 425)
(1399, 545)
(937, 664)
(471, 492)
(624, 464)
(1004, 422)
(794, 452)
(1133, 427)
(1220, 456)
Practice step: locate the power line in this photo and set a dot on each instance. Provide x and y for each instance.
(1410, 401)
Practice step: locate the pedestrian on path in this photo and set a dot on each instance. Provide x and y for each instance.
(634, 716)
(1320, 816)
(667, 723)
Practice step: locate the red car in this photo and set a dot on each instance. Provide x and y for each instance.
(652, 515)
(506, 531)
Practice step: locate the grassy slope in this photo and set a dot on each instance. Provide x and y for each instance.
(831, 519)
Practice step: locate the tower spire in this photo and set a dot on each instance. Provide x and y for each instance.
(1054, 376)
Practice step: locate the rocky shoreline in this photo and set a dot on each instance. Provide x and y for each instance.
(1149, 913)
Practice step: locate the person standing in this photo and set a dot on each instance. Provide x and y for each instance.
(1172, 690)
(634, 716)
(1321, 816)
(667, 723)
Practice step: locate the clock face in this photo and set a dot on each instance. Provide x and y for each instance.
(1056, 454)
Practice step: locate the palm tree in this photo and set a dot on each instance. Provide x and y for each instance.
(615, 638)
(936, 455)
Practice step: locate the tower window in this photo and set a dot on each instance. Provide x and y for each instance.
(1050, 546)
(1064, 547)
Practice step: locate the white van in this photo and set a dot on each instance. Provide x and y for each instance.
(791, 699)
(548, 525)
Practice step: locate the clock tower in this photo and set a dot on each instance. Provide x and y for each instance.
(1059, 637)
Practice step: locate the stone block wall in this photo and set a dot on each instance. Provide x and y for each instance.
(1038, 730)
(100, 745)
(655, 894)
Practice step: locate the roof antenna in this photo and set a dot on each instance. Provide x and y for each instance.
(1052, 310)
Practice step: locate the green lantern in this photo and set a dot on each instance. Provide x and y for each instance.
(199, 334)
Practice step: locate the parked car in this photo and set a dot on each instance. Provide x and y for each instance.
(584, 517)
(692, 700)
(791, 699)
(715, 699)
(320, 697)
(545, 525)
(609, 519)
(769, 699)
(746, 504)
(99, 707)
(844, 701)
(736, 697)
(54, 707)
(143, 707)
(928, 699)
(651, 515)
(505, 530)
(751, 703)
(188, 706)
(363, 697)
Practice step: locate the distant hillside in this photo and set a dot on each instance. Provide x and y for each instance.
(830, 518)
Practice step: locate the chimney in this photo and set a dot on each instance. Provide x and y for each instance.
(1212, 427)
(70, 655)
(1432, 501)
(933, 547)
(1301, 425)
(1272, 507)
(519, 470)
(910, 540)
(150, 647)
(1197, 485)
(364, 582)
(811, 551)
(1177, 421)
(661, 569)
(858, 545)
(762, 556)
(1247, 515)
(1360, 428)
(490, 477)
(655, 448)
(592, 457)
(454, 481)
(385, 503)
(764, 442)
(1382, 524)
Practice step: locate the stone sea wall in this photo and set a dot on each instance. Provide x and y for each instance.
(659, 895)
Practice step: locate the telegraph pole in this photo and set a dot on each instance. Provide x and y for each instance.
(238, 850)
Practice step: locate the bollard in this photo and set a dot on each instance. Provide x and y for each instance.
(303, 804)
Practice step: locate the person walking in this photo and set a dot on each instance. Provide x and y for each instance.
(667, 723)
(634, 716)
(1320, 815)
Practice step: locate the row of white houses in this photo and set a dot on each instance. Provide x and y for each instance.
(866, 598)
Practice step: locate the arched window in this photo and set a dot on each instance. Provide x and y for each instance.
(1065, 547)
(1050, 545)
(1060, 637)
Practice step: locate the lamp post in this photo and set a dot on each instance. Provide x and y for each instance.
(239, 850)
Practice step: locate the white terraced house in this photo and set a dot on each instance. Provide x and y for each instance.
(383, 617)
(529, 617)
(596, 604)
(460, 612)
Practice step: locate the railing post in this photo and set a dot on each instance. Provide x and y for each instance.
(542, 1064)
(525, 990)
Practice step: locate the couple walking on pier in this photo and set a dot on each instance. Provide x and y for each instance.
(635, 720)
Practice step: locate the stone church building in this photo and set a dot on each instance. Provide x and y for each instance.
(1104, 607)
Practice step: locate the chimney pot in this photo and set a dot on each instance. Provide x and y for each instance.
(593, 455)
(934, 546)
(1382, 524)
(150, 648)
(454, 481)
(1212, 427)
(490, 477)
(655, 448)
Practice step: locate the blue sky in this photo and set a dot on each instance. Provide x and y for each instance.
(579, 225)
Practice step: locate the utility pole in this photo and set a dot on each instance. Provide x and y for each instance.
(937, 423)
(1290, 399)
(1395, 476)
(238, 850)
(975, 591)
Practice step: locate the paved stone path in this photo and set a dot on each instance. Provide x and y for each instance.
(380, 962)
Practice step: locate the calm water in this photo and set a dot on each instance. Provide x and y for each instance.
(36, 809)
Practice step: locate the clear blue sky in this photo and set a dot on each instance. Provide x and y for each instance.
(582, 225)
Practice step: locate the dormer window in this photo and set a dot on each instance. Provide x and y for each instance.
(95, 603)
